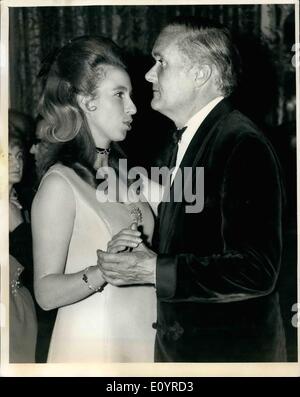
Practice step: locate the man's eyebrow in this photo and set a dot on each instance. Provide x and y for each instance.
(156, 54)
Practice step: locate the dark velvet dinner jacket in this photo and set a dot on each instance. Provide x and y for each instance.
(217, 269)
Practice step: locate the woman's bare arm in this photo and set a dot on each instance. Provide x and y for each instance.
(53, 214)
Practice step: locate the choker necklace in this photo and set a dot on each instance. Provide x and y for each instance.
(102, 151)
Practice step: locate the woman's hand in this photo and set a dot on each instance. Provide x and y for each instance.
(126, 238)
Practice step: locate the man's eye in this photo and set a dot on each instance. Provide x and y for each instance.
(161, 62)
(120, 94)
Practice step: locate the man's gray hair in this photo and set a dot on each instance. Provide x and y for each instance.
(202, 43)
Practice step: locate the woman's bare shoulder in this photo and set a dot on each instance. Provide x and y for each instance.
(54, 188)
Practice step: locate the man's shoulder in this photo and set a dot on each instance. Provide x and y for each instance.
(228, 120)
(237, 126)
(237, 131)
(238, 119)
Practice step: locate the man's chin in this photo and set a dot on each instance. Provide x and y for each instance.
(155, 105)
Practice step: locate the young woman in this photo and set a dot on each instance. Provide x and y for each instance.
(85, 108)
(23, 321)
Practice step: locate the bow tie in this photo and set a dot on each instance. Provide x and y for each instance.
(176, 138)
(177, 134)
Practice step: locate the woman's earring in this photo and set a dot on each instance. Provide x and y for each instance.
(92, 108)
(56, 137)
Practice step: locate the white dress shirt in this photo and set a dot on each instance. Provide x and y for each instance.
(192, 126)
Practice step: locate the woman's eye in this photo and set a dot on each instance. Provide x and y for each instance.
(18, 156)
(120, 94)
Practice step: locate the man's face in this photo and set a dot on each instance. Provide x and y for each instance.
(172, 80)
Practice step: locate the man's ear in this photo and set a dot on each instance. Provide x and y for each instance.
(202, 74)
(86, 103)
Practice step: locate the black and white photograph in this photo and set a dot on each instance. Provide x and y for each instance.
(149, 188)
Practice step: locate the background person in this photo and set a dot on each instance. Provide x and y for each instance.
(23, 321)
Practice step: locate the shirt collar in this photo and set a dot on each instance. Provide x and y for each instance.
(195, 121)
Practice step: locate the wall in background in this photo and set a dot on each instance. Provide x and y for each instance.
(265, 37)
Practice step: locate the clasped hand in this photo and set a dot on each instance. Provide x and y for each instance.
(120, 266)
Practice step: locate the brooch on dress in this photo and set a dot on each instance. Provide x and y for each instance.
(136, 214)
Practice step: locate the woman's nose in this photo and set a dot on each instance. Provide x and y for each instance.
(14, 162)
(131, 107)
(32, 149)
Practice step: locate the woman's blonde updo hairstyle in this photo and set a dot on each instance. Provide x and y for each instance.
(76, 69)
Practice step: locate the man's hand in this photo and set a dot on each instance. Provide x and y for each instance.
(136, 267)
(126, 238)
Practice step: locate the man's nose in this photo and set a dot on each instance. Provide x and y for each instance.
(32, 149)
(151, 75)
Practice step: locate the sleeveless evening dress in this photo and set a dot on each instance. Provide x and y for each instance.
(114, 325)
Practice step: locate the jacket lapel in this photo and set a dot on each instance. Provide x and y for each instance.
(192, 158)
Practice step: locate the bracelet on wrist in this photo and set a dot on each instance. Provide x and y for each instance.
(90, 286)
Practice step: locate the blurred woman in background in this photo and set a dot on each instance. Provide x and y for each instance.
(23, 321)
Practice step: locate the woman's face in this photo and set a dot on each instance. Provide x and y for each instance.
(112, 109)
(16, 164)
(38, 147)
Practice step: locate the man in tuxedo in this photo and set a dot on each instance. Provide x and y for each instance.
(215, 271)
